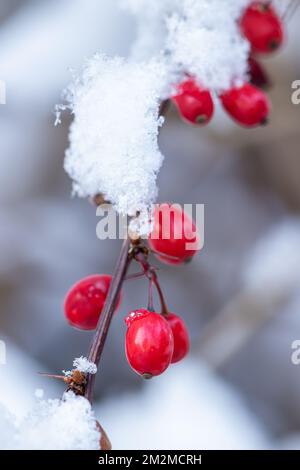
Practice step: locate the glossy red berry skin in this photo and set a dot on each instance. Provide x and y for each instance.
(247, 105)
(181, 337)
(149, 343)
(257, 74)
(194, 104)
(263, 28)
(85, 300)
(174, 235)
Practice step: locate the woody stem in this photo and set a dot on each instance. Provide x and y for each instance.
(100, 336)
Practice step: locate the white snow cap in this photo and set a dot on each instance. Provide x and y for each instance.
(84, 365)
(67, 424)
(113, 139)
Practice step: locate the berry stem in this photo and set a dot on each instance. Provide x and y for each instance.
(100, 335)
(133, 276)
(159, 253)
(150, 295)
(164, 308)
(151, 274)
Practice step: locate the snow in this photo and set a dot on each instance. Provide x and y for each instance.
(39, 393)
(204, 40)
(67, 424)
(30, 421)
(22, 369)
(216, 417)
(84, 365)
(197, 37)
(115, 102)
(7, 429)
(113, 139)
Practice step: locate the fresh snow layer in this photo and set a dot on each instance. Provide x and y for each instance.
(67, 424)
(113, 139)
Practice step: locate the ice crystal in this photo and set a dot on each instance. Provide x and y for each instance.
(84, 365)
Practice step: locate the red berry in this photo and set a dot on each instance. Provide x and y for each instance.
(149, 342)
(257, 73)
(194, 103)
(263, 28)
(174, 235)
(181, 337)
(248, 105)
(85, 300)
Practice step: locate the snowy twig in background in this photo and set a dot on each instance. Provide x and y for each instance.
(290, 9)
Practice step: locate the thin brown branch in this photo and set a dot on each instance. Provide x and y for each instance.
(100, 335)
(164, 107)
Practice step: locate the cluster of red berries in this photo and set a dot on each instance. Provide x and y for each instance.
(247, 104)
(153, 340)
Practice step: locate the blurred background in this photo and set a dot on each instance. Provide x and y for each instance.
(240, 297)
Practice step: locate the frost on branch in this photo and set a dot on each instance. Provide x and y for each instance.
(113, 139)
(67, 424)
(84, 365)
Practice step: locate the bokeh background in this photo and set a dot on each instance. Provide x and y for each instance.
(240, 297)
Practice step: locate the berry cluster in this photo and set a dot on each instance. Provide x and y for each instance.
(153, 340)
(246, 103)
